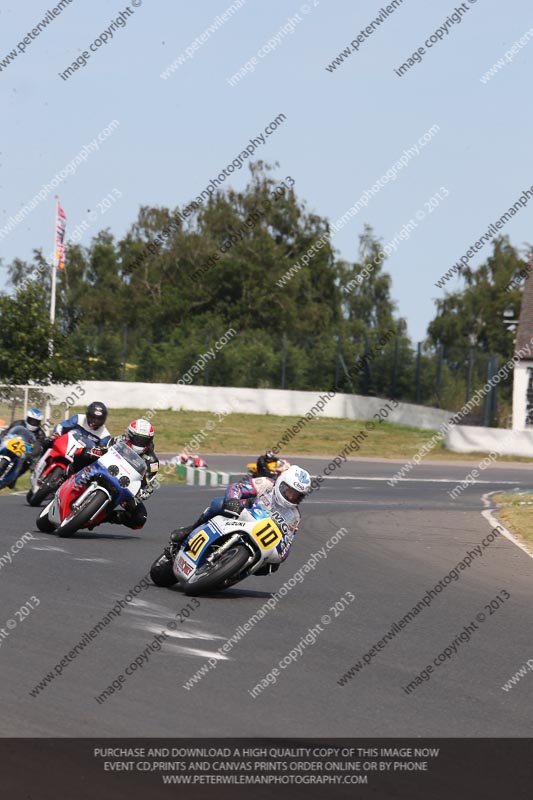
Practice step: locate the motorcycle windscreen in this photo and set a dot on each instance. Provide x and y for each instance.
(18, 432)
(133, 459)
(18, 442)
(259, 511)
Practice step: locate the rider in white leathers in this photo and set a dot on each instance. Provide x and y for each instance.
(282, 497)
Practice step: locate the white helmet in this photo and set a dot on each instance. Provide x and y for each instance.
(292, 486)
(140, 435)
(34, 418)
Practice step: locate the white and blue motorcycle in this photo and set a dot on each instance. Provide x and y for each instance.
(223, 551)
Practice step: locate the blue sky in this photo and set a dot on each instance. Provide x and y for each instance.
(343, 130)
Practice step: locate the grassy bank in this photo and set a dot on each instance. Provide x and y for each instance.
(516, 512)
(251, 433)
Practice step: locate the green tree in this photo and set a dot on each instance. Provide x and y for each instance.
(25, 333)
(473, 317)
(234, 262)
(370, 315)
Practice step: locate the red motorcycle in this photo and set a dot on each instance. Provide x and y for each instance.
(87, 498)
(188, 460)
(53, 466)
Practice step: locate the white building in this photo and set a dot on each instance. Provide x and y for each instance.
(523, 371)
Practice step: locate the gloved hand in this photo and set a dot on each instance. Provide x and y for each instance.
(232, 507)
(96, 452)
(145, 493)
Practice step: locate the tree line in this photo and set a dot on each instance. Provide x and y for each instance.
(144, 307)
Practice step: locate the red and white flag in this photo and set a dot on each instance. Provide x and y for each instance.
(61, 223)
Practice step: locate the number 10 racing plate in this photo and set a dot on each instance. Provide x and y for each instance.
(267, 534)
(189, 557)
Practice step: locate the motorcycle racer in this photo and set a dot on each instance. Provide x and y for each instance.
(32, 423)
(91, 424)
(282, 497)
(140, 437)
(269, 465)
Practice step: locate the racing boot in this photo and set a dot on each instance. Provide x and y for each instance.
(117, 517)
(114, 518)
(120, 517)
(178, 536)
(230, 507)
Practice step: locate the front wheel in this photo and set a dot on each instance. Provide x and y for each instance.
(48, 487)
(44, 524)
(161, 572)
(88, 509)
(5, 466)
(211, 576)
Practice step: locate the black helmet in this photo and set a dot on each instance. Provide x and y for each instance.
(269, 466)
(96, 415)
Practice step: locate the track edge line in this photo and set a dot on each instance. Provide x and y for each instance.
(495, 522)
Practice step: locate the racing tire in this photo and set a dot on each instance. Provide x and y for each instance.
(211, 577)
(161, 572)
(44, 524)
(81, 517)
(49, 487)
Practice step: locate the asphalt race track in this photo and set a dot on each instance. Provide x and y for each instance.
(400, 541)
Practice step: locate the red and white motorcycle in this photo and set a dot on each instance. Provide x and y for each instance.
(87, 498)
(189, 460)
(53, 466)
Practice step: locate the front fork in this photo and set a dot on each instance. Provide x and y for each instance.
(227, 544)
(214, 556)
(89, 490)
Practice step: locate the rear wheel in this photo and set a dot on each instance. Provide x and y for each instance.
(88, 509)
(161, 572)
(51, 483)
(210, 576)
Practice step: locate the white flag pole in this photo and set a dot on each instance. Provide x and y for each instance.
(47, 414)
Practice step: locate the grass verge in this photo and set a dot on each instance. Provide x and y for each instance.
(515, 509)
(254, 433)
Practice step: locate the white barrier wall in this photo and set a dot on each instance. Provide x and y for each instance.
(503, 441)
(279, 402)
